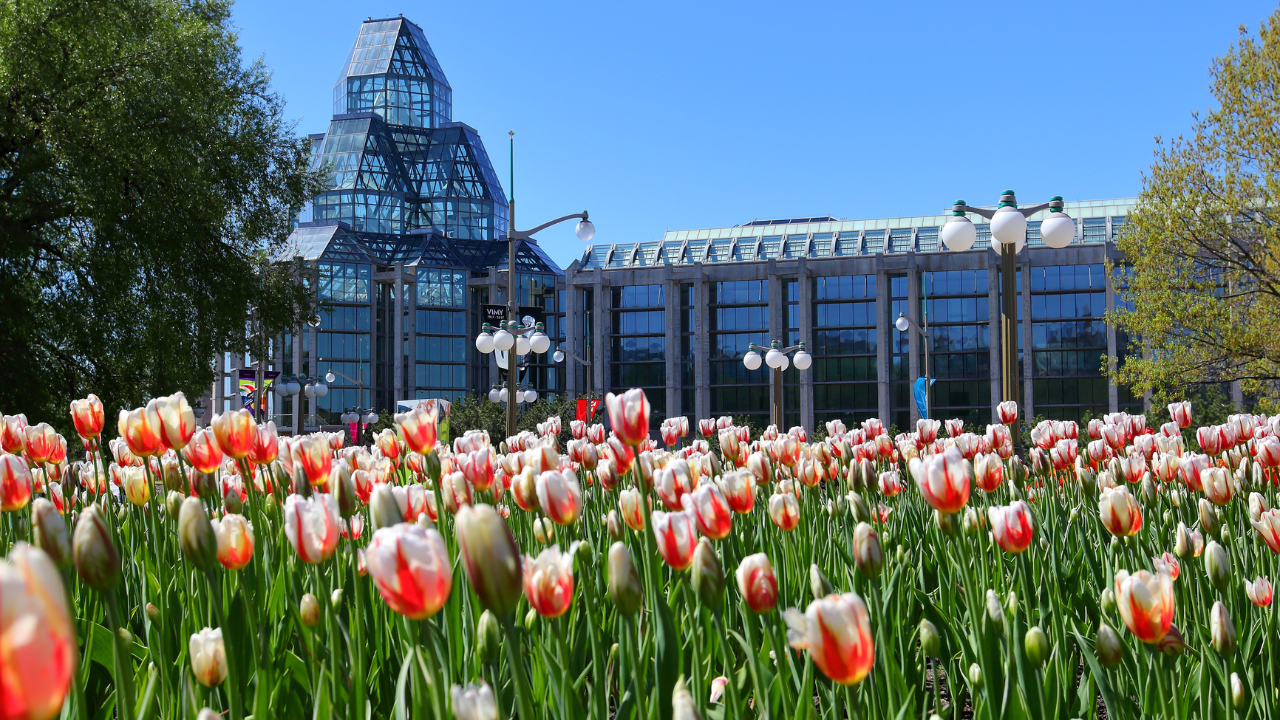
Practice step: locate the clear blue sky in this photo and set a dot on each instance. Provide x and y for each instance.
(676, 115)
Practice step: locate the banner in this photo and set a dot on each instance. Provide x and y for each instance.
(495, 314)
(249, 378)
(582, 410)
(595, 405)
(922, 401)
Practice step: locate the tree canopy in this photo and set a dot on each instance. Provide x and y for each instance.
(1203, 244)
(146, 176)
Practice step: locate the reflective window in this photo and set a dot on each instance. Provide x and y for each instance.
(821, 245)
(1069, 341)
(441, 288)
(927, 239)
(621, 256)
(769, 247)
(900, 240)
(719, 251)
(797, 245)
(847, 244)
(638, 344)
(956, 310)
(343, 282)
(1095, 230)
(745, 249)
(874, 240)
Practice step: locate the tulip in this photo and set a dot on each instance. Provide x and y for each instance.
(410, 568)
(943, 480)
(235, 541)
(1180, 412)
(1217, 487)
(455, 491)
(988, 471)
(560, 496)
(1012, 526)
(707, 575)
(88, 417)
(140, 429)
(208, 657)
(1146, 603)
(1109, 647)
(1007, 412)
(623, 456)
(1258, 591)
(95, 556)
(136, 486)
(625, 588)
(739, 489)
(927, 430)
(757, 583)
(1222, 632)
(837, 632)
(419, 429)
(711, 510)
(37, 638)
(203, 452)
(867, 554)
(548, 581)
(312, 526)
(890, 483)
(1268, 527)
(266, 445)
(15, 483)
(784, 511)
(177, 420)
(676, 536)
(631, 506)
(1167, 563)
(525, 488)
(313, 454)
(474, 702)
(196, 535)
(1217, 565)
(629, 415)
(1120, 512)
(491, 558)
(236, 432)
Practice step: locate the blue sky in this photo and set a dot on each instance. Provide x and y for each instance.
(676, 115)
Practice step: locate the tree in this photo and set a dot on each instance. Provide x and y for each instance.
(146, 174)
(1203, 243)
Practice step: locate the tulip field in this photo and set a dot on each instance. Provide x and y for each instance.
(168, 571)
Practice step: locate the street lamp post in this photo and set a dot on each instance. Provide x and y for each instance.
(559, 356)
(1009, 231)
(301, 384)
(776, 357)
(359, 415)
(905, 323)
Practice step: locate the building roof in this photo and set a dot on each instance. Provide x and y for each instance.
(823, 237)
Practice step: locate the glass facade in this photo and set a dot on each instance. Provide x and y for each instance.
(638, 344)
(956, 312)
(1069, 341)
(739, 316)
(844, 348)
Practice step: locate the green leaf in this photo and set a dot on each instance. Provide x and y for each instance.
(1104, 687)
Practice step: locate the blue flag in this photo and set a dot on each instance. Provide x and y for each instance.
(920, 396)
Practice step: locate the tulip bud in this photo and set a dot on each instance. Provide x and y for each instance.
(208, 714)
(948, 523)
(975, 523)
(232, 504)
(930, 640)
(866, 551)
(995, 612)
(1172, 643)
(530, 619)
(50, 531)
(425, 522)
(153, 612)
(432, 465)
(1222, 632)
(624, 582)
(1217, 565)
(383, 510)
(975, 676)
(335, 599)
(344, 490)
(819, 583)
(613, 525)
(95, 556)
(1017, 471)
(1208, 517)
(1239, 693)
(271, 506)
(1108, 647)
(203, 485)
(613, 654)
(1148, 488)
(309, 609)
(1225, 533)
(707, 575)
(1108, 600)
(195, 534)
(488, 639)
(1037, 646)
(490, 556)
(858, 507)
(1182, 542)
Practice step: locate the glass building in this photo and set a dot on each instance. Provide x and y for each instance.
(407, 243)
(839, 285)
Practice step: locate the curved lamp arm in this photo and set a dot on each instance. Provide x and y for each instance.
(986, 213)
(526, 234)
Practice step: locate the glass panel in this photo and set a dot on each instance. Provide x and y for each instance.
(745, 249)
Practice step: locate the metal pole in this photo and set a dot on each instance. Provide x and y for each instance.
(512, 306)
(1009, 328)
(928, 380)
(777, 398)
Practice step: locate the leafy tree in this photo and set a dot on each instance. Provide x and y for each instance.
(147, 176)
(1204, 240)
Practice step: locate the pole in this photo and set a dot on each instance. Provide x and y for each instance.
(928, 380)
(512, 305)
(1009, 329)
(777, 398)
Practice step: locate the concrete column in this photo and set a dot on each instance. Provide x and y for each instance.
(219, 385)
(777, 329)
(1028, 397)
(494, 375)
(411, 334)
(1237, 396)
(1113, 392)
(600, 363)
(702, 346)
(914, 339)
(571, 335)
(397, 342)
(806, 336)
(993, 313)
(371, 382)
(277, 363)
(313, 340)
(884, 328)
(671, 353)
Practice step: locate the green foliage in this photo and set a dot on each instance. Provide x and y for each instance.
(1204, 240)
(475, 412)
(147, 175)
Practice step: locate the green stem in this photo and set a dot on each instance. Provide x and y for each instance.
(123, 662)
(524, 699)
(233, 670)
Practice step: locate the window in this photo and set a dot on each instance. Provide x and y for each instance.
(719, 251)
(821, 245)
(343, 282)
(900, 240)
(1094, 230)
(847, 244)
(874, 242)
(638, 344)
(745, 249)
(739, 315)
(956, 309)
(927, 239)
(441, 288)
(797, 246)
(1068, 341)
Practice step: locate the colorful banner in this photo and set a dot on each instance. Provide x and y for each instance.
(248, 379)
